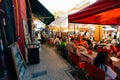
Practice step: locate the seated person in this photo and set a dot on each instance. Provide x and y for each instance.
(104, 62)
(57, 41)
(71, 47)
(81, 50)
(90, 44)
(84, 43)
(76, 41)
(63, 44)
(114, 40)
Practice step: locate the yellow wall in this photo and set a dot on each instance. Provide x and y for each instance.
(99, 31)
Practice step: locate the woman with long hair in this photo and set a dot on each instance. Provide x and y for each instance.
(104, 62)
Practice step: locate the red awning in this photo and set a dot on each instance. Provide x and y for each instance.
(101, 12)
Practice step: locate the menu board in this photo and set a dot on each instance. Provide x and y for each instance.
(19, 63)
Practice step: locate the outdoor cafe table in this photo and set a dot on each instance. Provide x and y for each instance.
(90, 58)
(116, 61)
(105, 45)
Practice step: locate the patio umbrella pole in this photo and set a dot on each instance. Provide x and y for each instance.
(74, 30)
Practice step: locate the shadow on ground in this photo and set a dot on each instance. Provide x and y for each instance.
(77, 74)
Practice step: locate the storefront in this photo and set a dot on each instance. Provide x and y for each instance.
(8, 61)
(15, 32)
(7, 37)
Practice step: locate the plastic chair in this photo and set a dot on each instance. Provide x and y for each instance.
(75, 58)
(100, 49)
(93, 72)
(114, 49)
(118, 48)
(104, 49)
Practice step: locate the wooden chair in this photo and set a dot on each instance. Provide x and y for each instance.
(93, 72)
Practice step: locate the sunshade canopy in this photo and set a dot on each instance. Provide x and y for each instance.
(101, 12)
(41, 12)
(60, 21)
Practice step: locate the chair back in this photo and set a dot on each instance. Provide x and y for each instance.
(118, 49)
(104, 49)
(75, 58)
(114, 49)
(93, 72)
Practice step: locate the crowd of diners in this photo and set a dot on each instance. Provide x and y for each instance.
(64, 42)
(70, 45)
(82, 44)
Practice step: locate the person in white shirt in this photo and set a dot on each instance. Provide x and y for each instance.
(104, 62)
(114, 40)
(57, 41)
(39, 36)
(71, 47)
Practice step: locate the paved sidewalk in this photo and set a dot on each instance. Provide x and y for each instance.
(51, 67)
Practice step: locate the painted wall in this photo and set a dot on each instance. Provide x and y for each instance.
(20, 15)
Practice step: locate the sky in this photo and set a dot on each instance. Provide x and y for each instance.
(64, 5)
